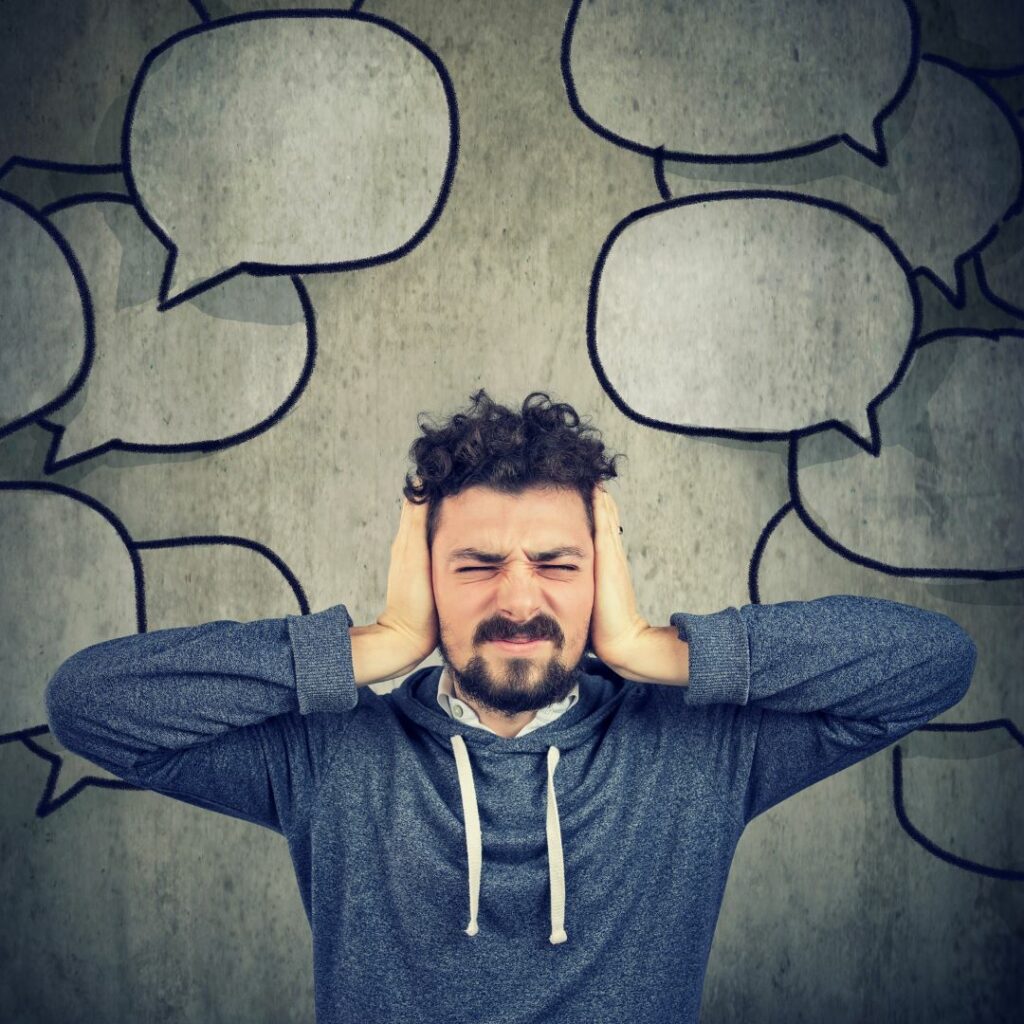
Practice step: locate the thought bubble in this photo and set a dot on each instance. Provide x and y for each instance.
(950, 472)
(749, 314)
(727, 80)
(150, 383)
(287, 143)
(64, 71)
(46, 324)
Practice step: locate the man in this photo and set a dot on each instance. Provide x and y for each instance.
(583, 792)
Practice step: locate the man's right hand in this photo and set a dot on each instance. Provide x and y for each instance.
(406, 631)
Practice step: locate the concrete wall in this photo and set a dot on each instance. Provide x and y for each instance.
(818, 383)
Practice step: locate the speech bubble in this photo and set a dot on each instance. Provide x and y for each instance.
(71, 563)
(959, 791)
(184, 583)
(749, 314)
(63, 71)
(68, 564)
(730, 81)
(959, 151)
(954, 172)
(288, 143)
(1000, 268)
(950, 471)
(986, 35)
(149, 385)
(46, 320)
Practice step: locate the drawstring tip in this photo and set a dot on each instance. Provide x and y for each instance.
(558, 937)
(473, 928)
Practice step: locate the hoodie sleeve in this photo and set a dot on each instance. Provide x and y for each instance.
(236, 717)
(795, 691)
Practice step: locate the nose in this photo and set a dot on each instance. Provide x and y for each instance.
(519, 604)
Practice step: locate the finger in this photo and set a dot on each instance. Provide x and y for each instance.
(613, 512)
(600, 511)
(614, 528)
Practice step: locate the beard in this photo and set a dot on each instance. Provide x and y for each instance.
(513, 685)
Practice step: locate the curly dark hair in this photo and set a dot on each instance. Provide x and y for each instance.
(491, 445)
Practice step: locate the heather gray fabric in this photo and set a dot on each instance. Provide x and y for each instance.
(653, 784)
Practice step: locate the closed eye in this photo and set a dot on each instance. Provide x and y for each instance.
(484, 568)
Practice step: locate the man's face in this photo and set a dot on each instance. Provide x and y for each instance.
(507, 593)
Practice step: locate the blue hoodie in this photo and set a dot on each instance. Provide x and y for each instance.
(572, 874)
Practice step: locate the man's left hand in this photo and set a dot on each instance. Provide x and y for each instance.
(620, 636)
(616, 627)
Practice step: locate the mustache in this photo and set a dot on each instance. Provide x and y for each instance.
(502, 630)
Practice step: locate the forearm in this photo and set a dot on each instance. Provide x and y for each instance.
(659, 657)
(129, 698)
(857, 658)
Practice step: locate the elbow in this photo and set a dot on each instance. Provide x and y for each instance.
(55, 700)
(62, 698)
(958, 654)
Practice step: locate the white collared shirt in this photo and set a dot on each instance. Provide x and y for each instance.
(462, 712)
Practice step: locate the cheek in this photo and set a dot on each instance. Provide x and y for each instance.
(456, 607)
(581, 609)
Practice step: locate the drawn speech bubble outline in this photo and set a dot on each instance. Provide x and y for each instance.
(34, 379)
(664, 260)
(269, 210)
(623, 85)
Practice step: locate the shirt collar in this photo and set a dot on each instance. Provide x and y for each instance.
(462, 712)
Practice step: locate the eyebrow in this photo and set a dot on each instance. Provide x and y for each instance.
(492, 558)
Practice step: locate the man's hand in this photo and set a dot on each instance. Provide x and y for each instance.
(620, 636)
(616, 627)
(407, 631)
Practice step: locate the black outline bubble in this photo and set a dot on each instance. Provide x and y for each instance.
(979, 267)
(1007, 874)
(747, 435)
(55, 165)
(1009, 72)
(878, 156)
(52, 464)
(659, 175)
(1004, 304)
(89, 341)
(797, 505)
(46, 805)
(957, 297)
(272, 269)
(753, 588)
(31, 163)
(761, 544)
(989, 71)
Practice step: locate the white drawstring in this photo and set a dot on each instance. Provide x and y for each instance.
(471, 816)
(474, 841)
(556, 865)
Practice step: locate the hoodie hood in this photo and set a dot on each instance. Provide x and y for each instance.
(601, 694)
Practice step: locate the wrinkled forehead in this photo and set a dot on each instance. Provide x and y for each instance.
(536, 519)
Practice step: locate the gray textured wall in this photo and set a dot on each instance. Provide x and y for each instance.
(720, 329)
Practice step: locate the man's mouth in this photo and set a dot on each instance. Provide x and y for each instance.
(515, 642)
